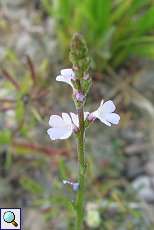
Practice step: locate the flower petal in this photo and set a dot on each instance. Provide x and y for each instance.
(68, 73)
(114, 118)
(95, 114)
(66, 118)
(75, 186)
(59, 133)
(56, 120)
(86, 115)
(67, 134)
(75, 119)
(102, 102)
(104, 121)
(65, 80)
(107, 107)
(55, 133)
(60, 78)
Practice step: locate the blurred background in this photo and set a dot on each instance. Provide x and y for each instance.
(34, 46)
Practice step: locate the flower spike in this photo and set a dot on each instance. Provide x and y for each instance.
(63, 126)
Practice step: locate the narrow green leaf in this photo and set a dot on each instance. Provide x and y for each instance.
(5, 137)
(20, 110)
(31, 185)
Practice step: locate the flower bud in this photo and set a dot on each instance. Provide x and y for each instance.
(79, 55)
(91, 117)
(79, 96)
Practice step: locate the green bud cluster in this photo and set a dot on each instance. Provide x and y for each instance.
(79, 57)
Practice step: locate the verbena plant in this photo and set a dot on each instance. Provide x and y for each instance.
(114, 29)
(62, 127)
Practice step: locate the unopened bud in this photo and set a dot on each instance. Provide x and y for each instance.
(79, 55)
(79, 96)
(91, 117)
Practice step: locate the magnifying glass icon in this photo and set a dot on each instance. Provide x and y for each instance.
(9, 217)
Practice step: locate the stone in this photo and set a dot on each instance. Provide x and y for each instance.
(144, 186)
(134, 167)
(149, 168)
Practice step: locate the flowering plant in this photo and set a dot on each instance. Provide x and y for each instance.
(62, 127)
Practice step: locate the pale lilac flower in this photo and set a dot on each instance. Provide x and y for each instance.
(74, 185)
(79, 96)
(66, 75)
(105, 113)
(61, 127)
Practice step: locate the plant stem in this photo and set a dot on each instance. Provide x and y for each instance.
(82, 170)
(81, 62)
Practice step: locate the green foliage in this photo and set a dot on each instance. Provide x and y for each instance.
(114, 30)
(21, 103)
(19, 110)
(5, 137)
(31, 186)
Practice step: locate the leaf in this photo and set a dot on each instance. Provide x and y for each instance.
(11, 56)
(20, 110)
(36, 115)
(121, 10)
(47, 6)
(5, 137)
(103, 14)
(146, 51)
(8, 161)
(31, 186)
(63, 171)
(146, 22)
(112, 29)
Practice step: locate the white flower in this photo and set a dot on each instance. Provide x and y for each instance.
(66, 76)
(105, 113)
(61, 127)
